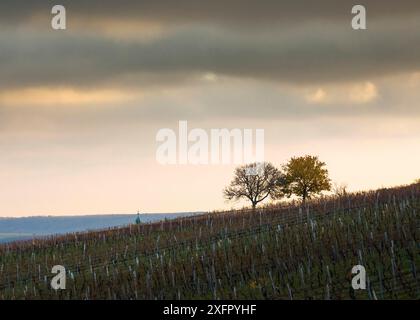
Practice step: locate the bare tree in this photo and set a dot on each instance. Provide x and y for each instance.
(340, 189)
(255, 182)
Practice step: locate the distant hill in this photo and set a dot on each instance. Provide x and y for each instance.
(12, 229)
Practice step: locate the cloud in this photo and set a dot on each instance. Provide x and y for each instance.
(147, 43)
(228, 12)
(303, 56)
(40, 96)
(319, 96)
(364, 93)
(345, 94)
(210, 77)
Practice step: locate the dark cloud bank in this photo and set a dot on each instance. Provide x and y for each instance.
(218, 11)
(297, 42)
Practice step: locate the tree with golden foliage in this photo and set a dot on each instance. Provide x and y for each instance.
(305, 177)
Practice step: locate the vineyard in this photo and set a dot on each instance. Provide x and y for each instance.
(276, 252)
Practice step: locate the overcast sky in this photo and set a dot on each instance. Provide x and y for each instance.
(80, 108)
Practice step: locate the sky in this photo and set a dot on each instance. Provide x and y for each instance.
(80, 108)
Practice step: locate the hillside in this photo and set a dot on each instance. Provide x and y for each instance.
(282, 252)
(38, 226)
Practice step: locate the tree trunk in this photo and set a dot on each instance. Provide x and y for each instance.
(304, 196)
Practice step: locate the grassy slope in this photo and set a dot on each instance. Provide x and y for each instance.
(277, 252)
